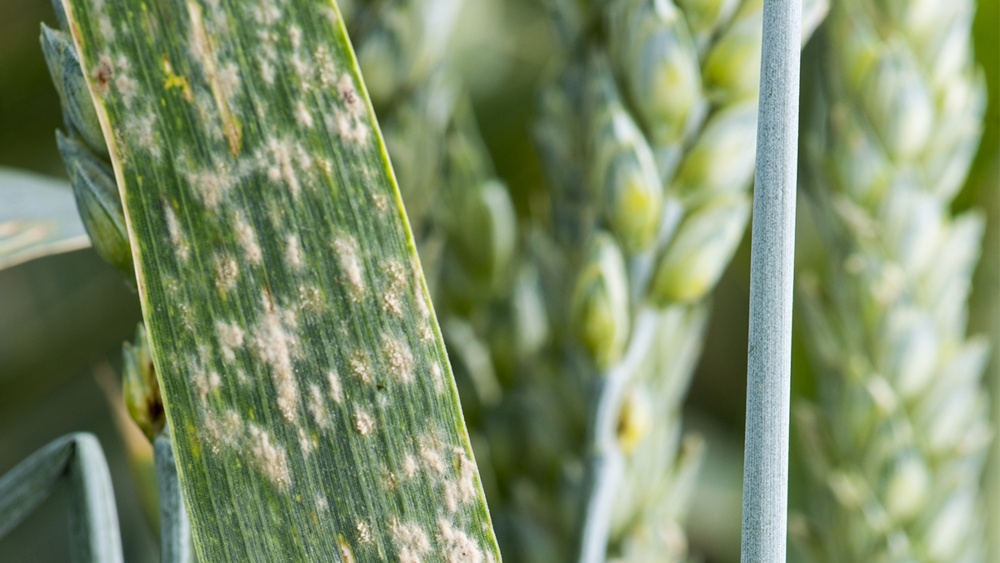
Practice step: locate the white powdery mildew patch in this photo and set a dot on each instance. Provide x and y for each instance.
(347, 255)
(422, 307)
(277, 159)
(274, 343)
(127, 87)
(302, 115)
(230, 339)
(410, 467)
(395, 274)
(364, 422)
(462, 491)
(365, 534)
(322, 505)
(410, 540)
(326, 67)
(210, 184)
(229, 79)
(336, 390)
(310, 298)
(381, 201)
(349, 95)
(227, 271)
(305, 443)
(456, 545)
(206, 383)
(348, 127)
(437, 377)
(360, 367)
(247, 238)
(430, 454)
(225, 430)
(271, 459)
(177, 238)
(293, 252)
(400, 358)
(317, 406)
(141, 133)
(107, 29)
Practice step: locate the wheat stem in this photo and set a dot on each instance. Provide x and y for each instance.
(765, 477)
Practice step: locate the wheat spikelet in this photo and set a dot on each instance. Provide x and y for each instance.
(647, 134)
(896, 442)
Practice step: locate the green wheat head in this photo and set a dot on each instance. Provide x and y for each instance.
(896, 441)
(646, 131)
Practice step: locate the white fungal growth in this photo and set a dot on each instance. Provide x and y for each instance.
(410, 540)
(349, 95)
(364, 532)
(226, 273)
(392, 303)
(381, 201)
(336, 391)
(325, 67)
(396, 274)
(230, 339)
(410, 467)
(352, 130)
(430, 454)
(266, 70)
(222, 431)
(451, 496)
(293, 252)
(210, 184)
(107, 29)
(347, 255)
(400, 358)
(305, 443)
(295, 36)
(360, 368)
(229, 79)
(310, 297)
(363, 422)
(322, 505)
(456, 545)
(270, 458)
(437, 377)
(206, 383)
(247, 238)
(277, 159)
(466, 477)
(317, 406)
(274, 343)
(302, 115)
(177, 238)
(141, 132)
(127, 87)
(266, 12)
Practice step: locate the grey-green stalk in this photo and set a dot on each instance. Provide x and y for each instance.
(896, 440)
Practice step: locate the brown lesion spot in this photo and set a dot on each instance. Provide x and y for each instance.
(103, 74)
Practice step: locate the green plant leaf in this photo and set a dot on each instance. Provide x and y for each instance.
(93, 519)
(312, 409)
(38, 217)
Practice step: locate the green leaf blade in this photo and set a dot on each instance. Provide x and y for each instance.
(303, 373)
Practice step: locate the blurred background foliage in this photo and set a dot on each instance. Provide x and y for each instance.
(63, 318)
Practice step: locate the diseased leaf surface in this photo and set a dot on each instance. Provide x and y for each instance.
(313, 411)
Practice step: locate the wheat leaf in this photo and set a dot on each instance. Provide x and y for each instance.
(93, 521)
(313, 412)
(37, 218)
